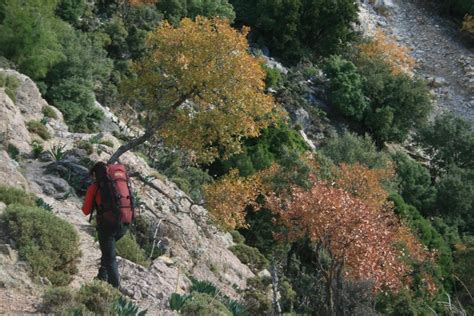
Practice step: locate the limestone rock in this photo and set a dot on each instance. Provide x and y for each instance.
(9, 172)
(12, 125)
(28, 97)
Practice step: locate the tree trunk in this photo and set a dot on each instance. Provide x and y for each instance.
(130, 145)
(276, 292)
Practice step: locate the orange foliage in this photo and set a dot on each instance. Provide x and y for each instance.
(357, 235)
(387, 48)
(202, 88)
(468, 24)
(364, 183)
(228, 198)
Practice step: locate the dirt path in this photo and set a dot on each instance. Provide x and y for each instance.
(440, 54)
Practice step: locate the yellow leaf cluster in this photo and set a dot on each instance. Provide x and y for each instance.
(228, 198)
(387, 48)
(468, 23)
(204, 89)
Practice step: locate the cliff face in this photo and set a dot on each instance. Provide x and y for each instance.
(192, 246)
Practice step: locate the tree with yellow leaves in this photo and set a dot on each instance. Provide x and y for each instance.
(391, 52)
(200, 89)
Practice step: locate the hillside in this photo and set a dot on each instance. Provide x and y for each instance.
(288, 157)
(193, 247)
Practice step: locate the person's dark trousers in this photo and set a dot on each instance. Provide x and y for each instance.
(108, 270)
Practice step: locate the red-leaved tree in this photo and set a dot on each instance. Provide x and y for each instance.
(360, 238)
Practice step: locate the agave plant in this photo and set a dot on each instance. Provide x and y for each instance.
(57, 152)
(125, 307)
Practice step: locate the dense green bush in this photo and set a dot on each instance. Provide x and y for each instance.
(94, 298)
(48, 243)
(430, 237)
(414, 183)
(201, 304)
(448, 140)
(49, 112)
(128, 248)
(259, 153)
(38, 128)
(11, 195)
(295, 28)
(175, 10)
(29, 35)
(397, 103)
(455, 199)
(273, 78)
(351, 148)
(99, 297)
(71, 10)
(13, 152)
(250, 256)
(345, 88)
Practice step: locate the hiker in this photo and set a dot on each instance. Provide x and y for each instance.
(110, 196)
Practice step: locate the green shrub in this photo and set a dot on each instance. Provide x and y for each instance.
(37, 148)
(10, 83)
(95, 298)
(250, 256)
(273, 78)
(345, 88)
(351, 148)
(397, 103)
(455, 199)
(107, 143)
(297, 28)
(128, 248)
(49, 112)
(201, 304)
(13, 152)
(237, 237)
(59, 300)
(38, 128)
(86, 145)
(48, 243)
(414, 182)
(99, 297)
(448, 140)
(11, 195)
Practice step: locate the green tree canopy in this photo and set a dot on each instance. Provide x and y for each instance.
(29, 35)
(295, 28)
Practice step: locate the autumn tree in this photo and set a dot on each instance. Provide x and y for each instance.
(359, 238)
(200, 89)
(364, 183)
(386, 48)
(228, 198)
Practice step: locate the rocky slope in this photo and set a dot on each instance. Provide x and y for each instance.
(435, 44)
(193, 247)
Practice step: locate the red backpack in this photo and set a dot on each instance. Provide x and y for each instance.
(116, 197)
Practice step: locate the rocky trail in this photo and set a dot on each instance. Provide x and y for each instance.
(190, 245)
(441, 56)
